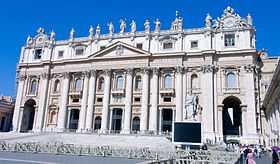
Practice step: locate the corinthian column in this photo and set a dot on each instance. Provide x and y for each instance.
(144, 102)
(179, 94)
(16, 115)
(106, 100)
(82, 118)
(63, 105)
(154, 102)
(91, 98)
(128, 99)
(44, 83)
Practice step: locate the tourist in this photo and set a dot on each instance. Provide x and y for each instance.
(250, 157)
(275, 158)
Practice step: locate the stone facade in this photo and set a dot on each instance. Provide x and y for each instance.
(134, 81)
(271, 108)
(6, 113)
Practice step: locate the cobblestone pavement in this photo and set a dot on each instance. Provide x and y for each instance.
(29, 158)
(265, 159)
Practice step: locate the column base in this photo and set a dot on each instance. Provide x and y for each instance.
(125, 131)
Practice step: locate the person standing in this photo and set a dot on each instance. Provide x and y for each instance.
(275, 158)
(250, 157)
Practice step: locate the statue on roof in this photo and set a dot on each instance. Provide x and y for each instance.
(91, 32)
(72, 34)
(122, 26)
(250, 20)
(97, 31)
(157, 26)
(177, 24)
(147, 26)
(208, 21)
(40, 30)
(133, 26)
(111, 28)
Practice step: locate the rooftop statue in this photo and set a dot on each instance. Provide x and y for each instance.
(208, 21)
(91, 32)
(97, 31)
(157, 26)
(133, 26)
(147, 26)
(72, 34)
(122, 26)
(111, 28)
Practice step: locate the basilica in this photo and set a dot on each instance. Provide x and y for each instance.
(130, 81)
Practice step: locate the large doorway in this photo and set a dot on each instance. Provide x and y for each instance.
(136, 124)
(74, 119)
(28, 116)
(117, 120)
(232, 122)
(167, 117)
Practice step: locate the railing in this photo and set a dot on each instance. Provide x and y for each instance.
(231, 90)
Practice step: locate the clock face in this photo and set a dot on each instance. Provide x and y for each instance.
(229, 22)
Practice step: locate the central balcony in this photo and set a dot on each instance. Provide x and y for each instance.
(75, 94)
(231, 90)
(167, 91)
(118, 92)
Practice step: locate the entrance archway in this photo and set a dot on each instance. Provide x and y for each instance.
(28, 116)
(117, 120)
(136, 124)
(74, 119)
(167, 115)
(232, 117)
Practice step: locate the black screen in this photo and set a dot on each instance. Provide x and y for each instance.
(187, 132)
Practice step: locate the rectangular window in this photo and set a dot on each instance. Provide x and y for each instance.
(99, 99)
(229, 40)
(137, 99)
(167, 99)
(139, 45)
(194, 44)
(167, 45)
(60, 54)
(38, 54)
(75, 100)
(79, 51)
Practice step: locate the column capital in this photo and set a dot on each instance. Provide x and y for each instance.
(93, 72)
(22, 77)
(108, 72)
(145, 70)
(45, 75)
(129, 71)
(249, 68)
(66, 75)
(86, 74)
(155, 70)
(243, 108)
(220, 107)
(209, 68)
(179, 69)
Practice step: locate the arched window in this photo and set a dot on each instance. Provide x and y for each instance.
(56, 86)
(167, 83)
(97, 123)
(138, 83)
(78, 85)
(231, 80)
(119, 82)
(33, 87)
(136, 124)
(52, 117)
(100, 86)
(194, 82)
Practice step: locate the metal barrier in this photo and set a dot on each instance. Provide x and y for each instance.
(162, 157)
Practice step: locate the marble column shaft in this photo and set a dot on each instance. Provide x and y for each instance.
(91, 98)
(144, 101)
(106, 100)
(128, 101)
(154, 102)
(179, 94)
(63, 105)
(82, 117)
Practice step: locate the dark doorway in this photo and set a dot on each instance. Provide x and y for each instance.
(232, 116)
(28, 116)
(136, 124)
(74, 119)
(2, 124)
(97, 123)
(167, 117)
(117, 120)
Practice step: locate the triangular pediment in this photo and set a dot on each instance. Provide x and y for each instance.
(120, 50)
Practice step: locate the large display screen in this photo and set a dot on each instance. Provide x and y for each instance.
(187, 132)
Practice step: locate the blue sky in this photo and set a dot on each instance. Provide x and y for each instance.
(22, 18)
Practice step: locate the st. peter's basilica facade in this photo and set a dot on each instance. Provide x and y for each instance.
(138, 82)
